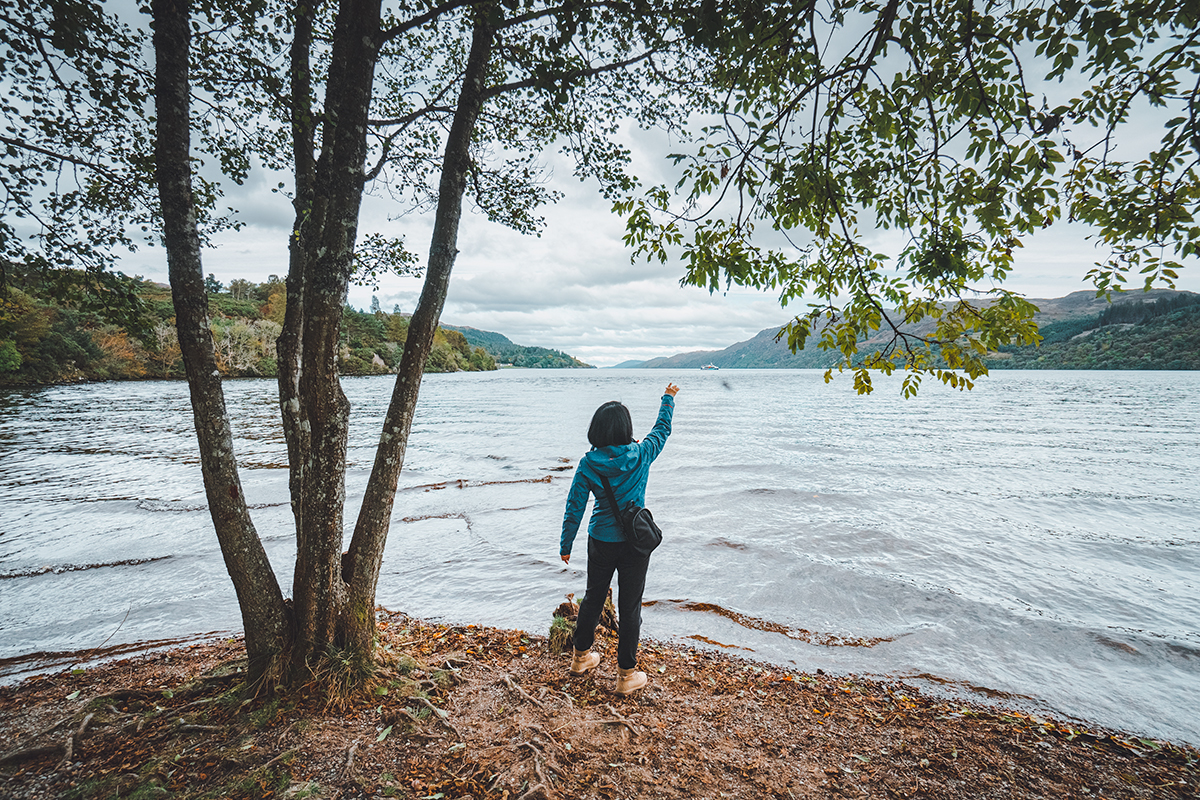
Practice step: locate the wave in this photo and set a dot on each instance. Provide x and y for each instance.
(170, 507)
(17, 667)
(463, 483)
(60, 568)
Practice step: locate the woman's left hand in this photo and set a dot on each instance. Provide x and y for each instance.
(566, 559)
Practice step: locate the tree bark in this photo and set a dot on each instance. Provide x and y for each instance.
(259, 597)
(289, 346)
(327, 238)
(370, 534)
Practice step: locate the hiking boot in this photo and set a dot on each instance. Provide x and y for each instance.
(584, 661)
(630, 680)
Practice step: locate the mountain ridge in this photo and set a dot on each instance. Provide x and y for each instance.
(762, 351)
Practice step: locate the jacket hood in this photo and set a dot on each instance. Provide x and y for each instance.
(613, 460)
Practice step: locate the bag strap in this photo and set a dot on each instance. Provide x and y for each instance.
(612, 501)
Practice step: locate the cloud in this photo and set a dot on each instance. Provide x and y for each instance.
(574, 287)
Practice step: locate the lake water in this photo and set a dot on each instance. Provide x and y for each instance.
(1034, 542)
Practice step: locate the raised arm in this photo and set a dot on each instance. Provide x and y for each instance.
(653, 444)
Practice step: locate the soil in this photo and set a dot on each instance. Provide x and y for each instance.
(484, 713)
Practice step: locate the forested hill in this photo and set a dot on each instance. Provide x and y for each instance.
(1159, 329)
(44, 342)
(506, 352)
(1164, 334)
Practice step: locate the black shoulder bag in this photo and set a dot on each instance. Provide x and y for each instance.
(636, 523)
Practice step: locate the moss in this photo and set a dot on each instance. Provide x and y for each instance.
(405, 664)
(562, 632)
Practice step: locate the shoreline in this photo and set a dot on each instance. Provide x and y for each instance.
(937, 688)
(470, 711)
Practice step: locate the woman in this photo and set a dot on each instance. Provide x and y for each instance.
(615, 455)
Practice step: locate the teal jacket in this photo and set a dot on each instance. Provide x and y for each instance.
(627, 466)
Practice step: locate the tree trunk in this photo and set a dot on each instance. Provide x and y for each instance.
(370, 534)
(261, 603)
(327, 239)
(289, 346)
(333, 598)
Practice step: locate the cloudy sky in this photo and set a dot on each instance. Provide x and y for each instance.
(574, 288)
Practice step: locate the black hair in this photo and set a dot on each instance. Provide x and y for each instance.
(611, 424)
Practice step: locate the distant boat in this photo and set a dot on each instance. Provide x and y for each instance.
(709, 366)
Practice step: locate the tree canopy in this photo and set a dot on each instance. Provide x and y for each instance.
(963, 127)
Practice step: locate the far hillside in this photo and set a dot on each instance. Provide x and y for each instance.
(1159, 329)
(1160, 334)
(516, 355)
(46, 342)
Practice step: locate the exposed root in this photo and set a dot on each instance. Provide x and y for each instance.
(348, 767)
(188, 727)
(69, 746)
(285, 754)
(713, 725)
(508, 681)
(440, 715)
(25, 754)
(129, 694)
(538, 792)
(620, 720)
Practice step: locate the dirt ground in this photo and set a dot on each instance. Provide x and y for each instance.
(485, 713)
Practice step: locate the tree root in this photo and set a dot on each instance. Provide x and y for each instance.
(537, 762)
(128, 694)
(189, 727)
(276, 760)
(620, 720)
(538, 792)
(508, 681)
(440, 715)
(69, 746)
(539, 730)
(348, 767)
(27, 753)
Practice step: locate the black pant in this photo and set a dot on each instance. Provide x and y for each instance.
(603, 559)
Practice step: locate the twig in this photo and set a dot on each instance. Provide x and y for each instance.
(188, 727)
(510, 683)
(114, 633)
